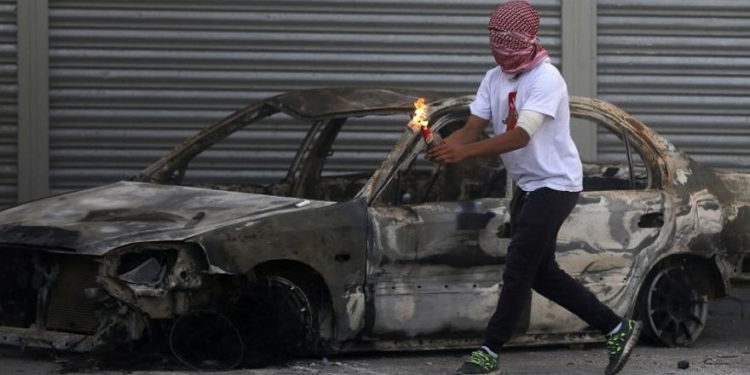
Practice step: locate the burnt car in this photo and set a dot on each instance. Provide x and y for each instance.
(391, 254)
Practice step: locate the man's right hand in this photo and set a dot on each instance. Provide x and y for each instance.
(453, 148)
(447, 152)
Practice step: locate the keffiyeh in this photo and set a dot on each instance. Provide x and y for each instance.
(513, 37)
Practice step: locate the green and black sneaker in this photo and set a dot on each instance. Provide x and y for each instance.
(479, 362)
(620, 344)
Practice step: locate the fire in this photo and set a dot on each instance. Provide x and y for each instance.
(419, 120)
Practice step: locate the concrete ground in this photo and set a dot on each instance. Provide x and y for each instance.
(723, 349)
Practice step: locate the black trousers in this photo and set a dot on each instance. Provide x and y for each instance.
(536, 218)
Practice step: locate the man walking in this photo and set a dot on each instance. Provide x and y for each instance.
(526, 100)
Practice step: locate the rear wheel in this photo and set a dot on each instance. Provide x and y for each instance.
(672, 307)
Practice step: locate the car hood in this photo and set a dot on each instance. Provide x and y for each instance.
(96, 220)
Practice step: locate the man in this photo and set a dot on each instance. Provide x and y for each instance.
(526, 100)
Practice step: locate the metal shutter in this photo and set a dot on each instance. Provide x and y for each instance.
(130, 79)
(682, 67)
(8, 104)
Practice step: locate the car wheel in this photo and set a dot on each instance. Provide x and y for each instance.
(206, 340)
(672, 307)
(276, 318)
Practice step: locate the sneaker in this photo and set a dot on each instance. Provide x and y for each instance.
(479, 362)
(620, 344)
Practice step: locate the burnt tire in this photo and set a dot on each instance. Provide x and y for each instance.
(672, 307)
(277, 319)
(206, 340)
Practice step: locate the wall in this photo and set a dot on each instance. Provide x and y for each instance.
(127, 80)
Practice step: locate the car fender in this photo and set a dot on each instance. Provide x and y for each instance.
(331, 240)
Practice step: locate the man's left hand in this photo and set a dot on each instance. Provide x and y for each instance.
(447, 153)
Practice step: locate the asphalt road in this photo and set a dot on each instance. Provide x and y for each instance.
(724, 348)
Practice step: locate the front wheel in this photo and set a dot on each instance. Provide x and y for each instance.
(277, 318)
(672, 307)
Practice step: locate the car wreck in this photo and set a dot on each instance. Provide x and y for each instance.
(401, 255)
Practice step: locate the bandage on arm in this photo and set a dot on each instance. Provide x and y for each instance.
(530, 121)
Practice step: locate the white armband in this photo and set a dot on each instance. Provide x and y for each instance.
(530, 121)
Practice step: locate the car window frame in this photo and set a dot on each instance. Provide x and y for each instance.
(639, 138)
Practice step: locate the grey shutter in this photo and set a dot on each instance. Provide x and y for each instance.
(8, 104)
(130, 79)
(682, 67)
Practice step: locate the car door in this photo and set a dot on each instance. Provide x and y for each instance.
(598, 245)
(434, 265)
(620, 216)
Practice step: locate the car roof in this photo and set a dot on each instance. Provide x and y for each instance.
(337, 102)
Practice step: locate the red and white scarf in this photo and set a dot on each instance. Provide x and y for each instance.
(513, 37)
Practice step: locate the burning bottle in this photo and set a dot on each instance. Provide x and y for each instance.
(419, 123)
(430, 139)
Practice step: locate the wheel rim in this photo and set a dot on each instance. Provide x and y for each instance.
(293, 312)
(676, 310)
(274, 318)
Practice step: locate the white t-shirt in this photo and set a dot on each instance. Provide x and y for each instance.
(551, 158)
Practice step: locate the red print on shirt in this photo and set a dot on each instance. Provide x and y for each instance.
(510, 121)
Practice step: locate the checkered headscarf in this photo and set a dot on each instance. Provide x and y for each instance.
(513, 37)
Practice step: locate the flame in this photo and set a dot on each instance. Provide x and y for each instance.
(419, 120)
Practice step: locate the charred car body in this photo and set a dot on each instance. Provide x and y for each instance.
(406, 255)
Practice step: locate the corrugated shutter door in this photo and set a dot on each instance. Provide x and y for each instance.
(682, 67)
(130, 79)
(8, 103)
